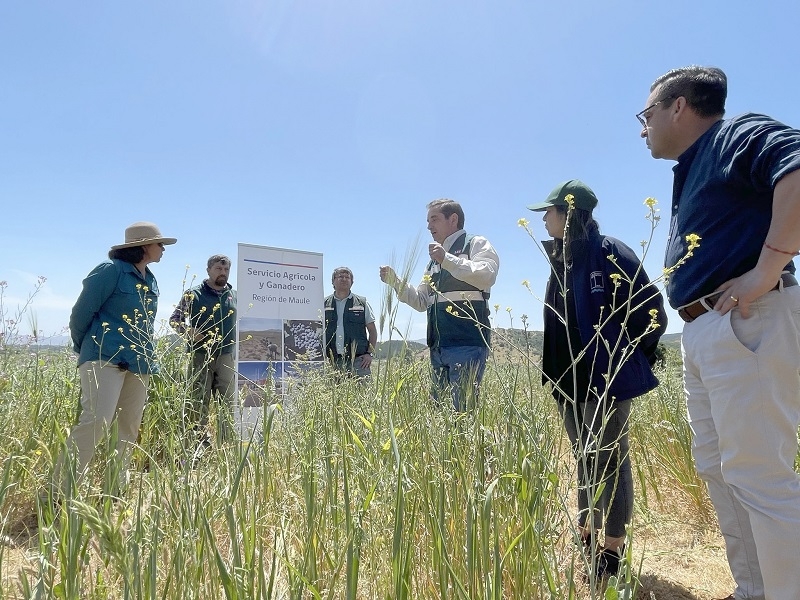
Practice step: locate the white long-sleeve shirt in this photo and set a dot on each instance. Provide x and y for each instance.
(479, 270)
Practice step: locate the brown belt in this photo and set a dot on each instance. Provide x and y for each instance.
(691, 311)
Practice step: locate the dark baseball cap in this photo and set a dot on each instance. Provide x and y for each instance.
(582, 196)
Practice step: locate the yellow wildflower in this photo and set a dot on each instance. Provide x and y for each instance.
(650, 202)
(693, 240)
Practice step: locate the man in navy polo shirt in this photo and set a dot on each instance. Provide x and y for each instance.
(737, 194)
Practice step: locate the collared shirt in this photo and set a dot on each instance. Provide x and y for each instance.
(368, 318)
(479, 270)
(722, 192)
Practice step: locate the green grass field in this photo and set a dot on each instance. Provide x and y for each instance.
(351, 492)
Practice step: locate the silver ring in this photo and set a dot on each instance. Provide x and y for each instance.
(734, 298)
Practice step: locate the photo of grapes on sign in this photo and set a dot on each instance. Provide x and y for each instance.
(302, 340)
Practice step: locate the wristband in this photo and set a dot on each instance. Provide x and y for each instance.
(766, 245)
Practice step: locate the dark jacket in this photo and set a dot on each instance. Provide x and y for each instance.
(355, 326)
(613, 318)
(210, 312)
(460, 314)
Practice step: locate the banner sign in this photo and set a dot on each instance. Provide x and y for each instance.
(280, 296)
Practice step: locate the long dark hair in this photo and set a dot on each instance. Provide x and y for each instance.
(133, 255)
(580, 225)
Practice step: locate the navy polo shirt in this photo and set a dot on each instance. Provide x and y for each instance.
(722, 192)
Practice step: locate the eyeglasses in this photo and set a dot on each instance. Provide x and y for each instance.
(161, 245)
(641, 115)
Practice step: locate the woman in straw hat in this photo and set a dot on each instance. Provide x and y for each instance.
(602, 322)
(111, 327)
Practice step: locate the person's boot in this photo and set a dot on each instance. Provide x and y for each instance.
(608, 561)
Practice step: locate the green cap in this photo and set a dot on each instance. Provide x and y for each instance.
(582, 196)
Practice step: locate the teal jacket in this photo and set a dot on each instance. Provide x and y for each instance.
(114, 315)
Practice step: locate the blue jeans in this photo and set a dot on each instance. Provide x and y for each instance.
(458, 371)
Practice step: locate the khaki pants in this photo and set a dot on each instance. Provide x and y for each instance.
(107, 393)
(743, 393)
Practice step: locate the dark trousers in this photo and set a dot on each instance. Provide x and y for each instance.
(599, 435)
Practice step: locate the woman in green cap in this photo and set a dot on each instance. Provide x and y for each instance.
(602, 322)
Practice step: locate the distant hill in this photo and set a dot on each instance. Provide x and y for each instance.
(517, 339)
(503, 340)
(399, 347)
(672, 340)
(52, 341)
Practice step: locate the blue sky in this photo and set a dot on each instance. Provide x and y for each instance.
(327, 126)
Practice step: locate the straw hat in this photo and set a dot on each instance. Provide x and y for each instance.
(141, 234)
